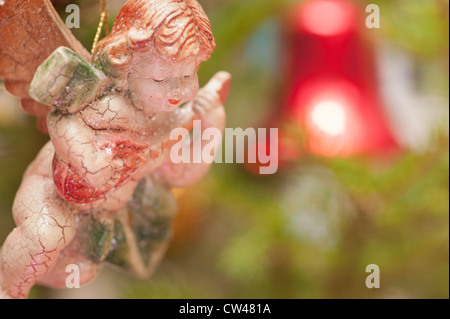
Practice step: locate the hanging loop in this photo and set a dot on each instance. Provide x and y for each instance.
(102, 24)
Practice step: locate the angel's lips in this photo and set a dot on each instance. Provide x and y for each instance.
(76, 189)
(174, 102)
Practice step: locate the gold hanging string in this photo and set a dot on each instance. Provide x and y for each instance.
(102, 24)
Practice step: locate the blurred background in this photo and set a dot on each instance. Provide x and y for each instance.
(364, 157)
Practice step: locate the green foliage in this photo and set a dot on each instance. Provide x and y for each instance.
(420, 26)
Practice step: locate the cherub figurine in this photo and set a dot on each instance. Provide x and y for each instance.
(99, 191)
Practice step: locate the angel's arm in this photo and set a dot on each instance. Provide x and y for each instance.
(75, 143)
(67, 82)
(208, 107)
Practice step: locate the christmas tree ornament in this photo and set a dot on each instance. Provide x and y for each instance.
(332, 88)
(100, 190)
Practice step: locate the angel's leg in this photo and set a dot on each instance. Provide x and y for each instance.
(57, 277)
(87, 251)
(45, 225)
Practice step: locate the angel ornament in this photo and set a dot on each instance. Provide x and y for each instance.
(100, 190)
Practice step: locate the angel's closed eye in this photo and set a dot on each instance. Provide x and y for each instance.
(159, 81)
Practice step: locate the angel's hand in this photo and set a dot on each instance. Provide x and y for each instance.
(109, 170)
(208, 106)
(209, 101)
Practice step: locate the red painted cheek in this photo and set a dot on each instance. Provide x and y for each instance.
(155, 98)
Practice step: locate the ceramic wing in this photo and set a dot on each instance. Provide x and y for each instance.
(30, 30)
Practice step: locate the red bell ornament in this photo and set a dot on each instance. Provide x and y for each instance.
(331, 83)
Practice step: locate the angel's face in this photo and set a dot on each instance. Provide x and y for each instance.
(157, 85)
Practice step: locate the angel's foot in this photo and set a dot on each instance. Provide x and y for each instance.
(3, 293)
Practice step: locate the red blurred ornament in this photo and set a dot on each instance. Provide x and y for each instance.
(331, 80)
(330, 84)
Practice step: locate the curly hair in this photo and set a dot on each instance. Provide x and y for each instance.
(170, 29)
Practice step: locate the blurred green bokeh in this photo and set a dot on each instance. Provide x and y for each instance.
(311, 230)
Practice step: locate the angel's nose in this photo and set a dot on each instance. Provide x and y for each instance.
(175, 97)
(176, 91)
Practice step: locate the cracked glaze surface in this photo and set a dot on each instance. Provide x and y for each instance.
(100, 151)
